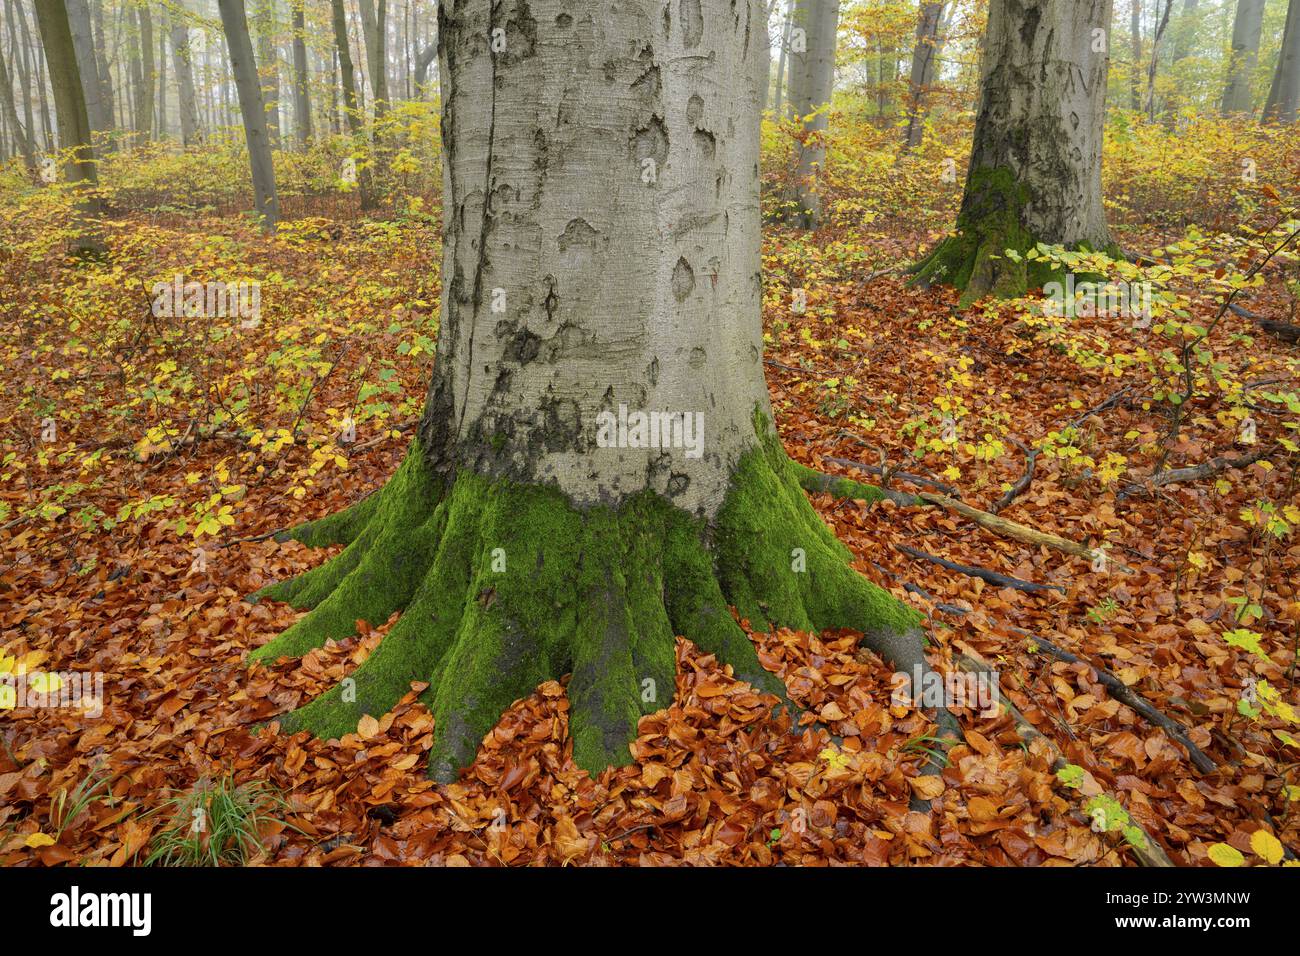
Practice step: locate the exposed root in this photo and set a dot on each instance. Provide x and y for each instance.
(505, 586)
(984, 574)
(815, 481)
(1147, 851)
(1130, 698)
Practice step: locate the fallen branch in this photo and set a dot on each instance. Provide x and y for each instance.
(992, 577)
(1150, 855)
(1206, 469)
(1023, 482)
(810, 479)
(1114, 686)
(1019, 532)
(1285, 331)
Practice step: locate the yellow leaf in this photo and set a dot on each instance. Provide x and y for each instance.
(1224, 855)
(1267, 846)
(39, 840)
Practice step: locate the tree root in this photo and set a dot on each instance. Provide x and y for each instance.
(502, 587)
(816, 481)
(1151, 854)
(1114, 686)
(992, 577)
(893, 475)
(1122, 693)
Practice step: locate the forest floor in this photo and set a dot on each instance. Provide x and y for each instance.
(130, 541)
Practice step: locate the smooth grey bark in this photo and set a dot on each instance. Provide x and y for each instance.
(1135, 39)
(819, 77)
(781, 61)
(301, 96)
(1247, 25)
(268, 68)
(1284, 94)
(21, 43)
(74, 124)
(99, 111)
(242, 64)
(765, 79)
(1035, 167)
(374, 32)
(182, 66)
(22, 141)
(105, 75)
(924, 68)
(641, 291)
(144, 78)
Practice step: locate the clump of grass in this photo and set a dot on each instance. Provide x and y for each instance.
(216, 824)
(65, 807)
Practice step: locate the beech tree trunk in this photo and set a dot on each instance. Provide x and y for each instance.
(374, 31)
(351, 108)
(20, 135)
(99, 110)
(783, 57)
(1135, 38)
(103, 65)
(301, 97)
(601, 259)
(924, 67)
(801, 51)
(1035, 167)
(1185, 30)
(144, 78)
(815, 94)
(74, 124)
(269, 69)
(247, 85)
(1284, 94)
(162, 80)
(1247, 25)
(1153, 67)
(21, 41)
(182, 66)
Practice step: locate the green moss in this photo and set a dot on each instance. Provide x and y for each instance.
(814, 481)
(975, 259)
(375, 576)
(504, 586)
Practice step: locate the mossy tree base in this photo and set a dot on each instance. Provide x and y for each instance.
(975, 258)
(503, 586)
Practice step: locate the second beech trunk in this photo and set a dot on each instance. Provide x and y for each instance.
(1035, 167)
